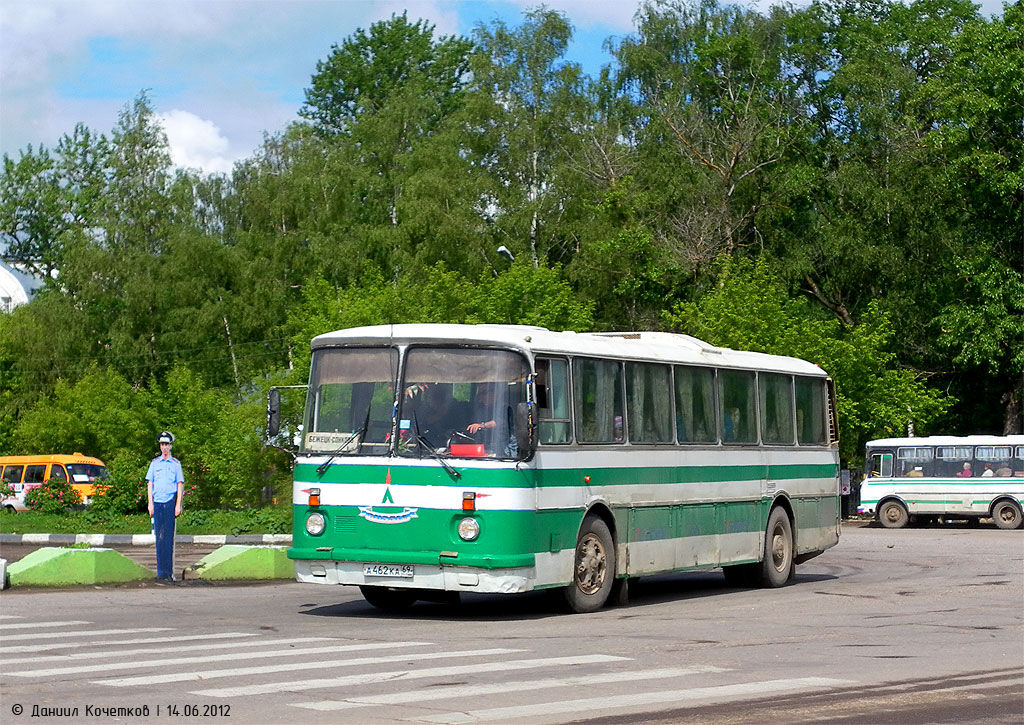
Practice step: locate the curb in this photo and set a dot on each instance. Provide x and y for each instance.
(140, 539)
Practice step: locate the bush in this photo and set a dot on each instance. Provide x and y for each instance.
(52, 497)
(125, 491)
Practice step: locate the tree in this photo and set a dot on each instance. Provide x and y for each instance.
(519, 112)
(715, 118)
(751, 310)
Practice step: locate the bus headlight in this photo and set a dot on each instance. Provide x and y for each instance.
(315, 523)
(469, 529)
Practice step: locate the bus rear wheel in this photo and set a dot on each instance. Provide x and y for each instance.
(388, 599)
(1006, 514)
(593, 567)
(893, 515)
(777, 566)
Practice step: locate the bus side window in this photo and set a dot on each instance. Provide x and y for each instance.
(695, 405)
(34, 474)
(649, 402)
(553, 401)
(597, 397)
(775, 393)
(810, 412)
(12, 475)
(57, 472)
(914, 462)
(736, 398)
(881, 465)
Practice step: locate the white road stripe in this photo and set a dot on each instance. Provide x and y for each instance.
(84, 633)
(119, 642)
(638, 701)
(204, 646)
(34, 625)
(404, 675)
(291, 667)
(135, 664)
(11, 616)
(486, 690)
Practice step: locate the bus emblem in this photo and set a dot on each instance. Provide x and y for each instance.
(380, 517)
(387, 517)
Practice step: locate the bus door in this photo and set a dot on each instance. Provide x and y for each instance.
(34, 476)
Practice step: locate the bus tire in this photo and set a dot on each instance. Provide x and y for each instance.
(388, 599)
(1006, 514)
(593, 570)
(893, 515)
(777, 566)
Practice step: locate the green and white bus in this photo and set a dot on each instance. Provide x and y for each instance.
(921, 479)
(436, 459)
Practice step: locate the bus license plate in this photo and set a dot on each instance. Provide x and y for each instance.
(399, 570)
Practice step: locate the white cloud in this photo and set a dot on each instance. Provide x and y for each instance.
(195, 142)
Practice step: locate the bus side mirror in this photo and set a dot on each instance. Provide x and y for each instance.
(524, 430)
(273, 412)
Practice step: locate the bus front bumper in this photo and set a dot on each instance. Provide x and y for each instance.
(438, 577)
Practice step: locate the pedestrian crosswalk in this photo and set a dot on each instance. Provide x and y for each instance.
(363, 681)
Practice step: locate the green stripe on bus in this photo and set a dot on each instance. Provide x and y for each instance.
(506, 535)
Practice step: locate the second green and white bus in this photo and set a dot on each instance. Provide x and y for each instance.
(437, 459)
(921, 479)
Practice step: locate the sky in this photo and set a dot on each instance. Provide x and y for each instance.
(220, 74)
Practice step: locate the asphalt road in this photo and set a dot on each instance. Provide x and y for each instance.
(908, 626)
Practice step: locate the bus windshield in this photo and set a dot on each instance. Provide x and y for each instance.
(461, 402)
(350, 403)
(86, 472)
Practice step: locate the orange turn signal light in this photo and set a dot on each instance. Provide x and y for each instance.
(469, 501)
(314, 497)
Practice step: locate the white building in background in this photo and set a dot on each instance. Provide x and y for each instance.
(15, 288)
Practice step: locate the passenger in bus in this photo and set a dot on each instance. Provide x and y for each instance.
(1004, 472)
(988, 472)
(966, 473)
(496, 429)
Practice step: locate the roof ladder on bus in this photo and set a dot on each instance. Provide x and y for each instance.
(833, 420)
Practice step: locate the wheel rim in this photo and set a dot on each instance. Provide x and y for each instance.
(1007, 514)
(780, 549)
(893, 514)
(591, 564)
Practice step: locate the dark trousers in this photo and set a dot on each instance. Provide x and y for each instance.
(163, 530)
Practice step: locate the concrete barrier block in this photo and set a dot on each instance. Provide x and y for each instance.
(58, 567)
(235, 561)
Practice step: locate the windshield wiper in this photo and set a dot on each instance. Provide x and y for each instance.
(424, 443)
(366, 424)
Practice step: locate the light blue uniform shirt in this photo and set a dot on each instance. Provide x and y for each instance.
(165, 476)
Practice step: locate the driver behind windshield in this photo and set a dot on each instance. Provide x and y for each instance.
(491, 418)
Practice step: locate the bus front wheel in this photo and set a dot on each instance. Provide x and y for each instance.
(1007, 515)
(777, 565)
(593, 567)
(893, 515)
(388, 599)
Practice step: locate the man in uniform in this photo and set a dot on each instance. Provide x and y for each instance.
(165, 486)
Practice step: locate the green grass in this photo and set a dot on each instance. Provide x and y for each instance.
(231, 523)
